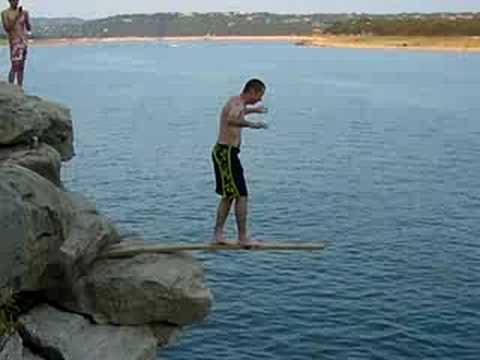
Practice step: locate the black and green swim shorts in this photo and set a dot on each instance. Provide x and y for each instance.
(228, 171)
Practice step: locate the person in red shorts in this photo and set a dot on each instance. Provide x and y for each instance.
(16, 23)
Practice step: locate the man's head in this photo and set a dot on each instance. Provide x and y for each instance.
(253, 91)
(13, 3)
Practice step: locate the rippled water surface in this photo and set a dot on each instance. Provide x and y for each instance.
(376, 151)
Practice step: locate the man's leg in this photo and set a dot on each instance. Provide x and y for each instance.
(21, 70)
(241, 209)
(11, 75)
(241, 213)
(222, 213)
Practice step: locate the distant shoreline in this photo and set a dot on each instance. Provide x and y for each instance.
(454, 43)
(89, 40)
(430, 43)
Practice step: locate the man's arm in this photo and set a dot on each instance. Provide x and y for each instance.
(5, 24)
(256, 110)
(239, 121)
(236, 117)
(28, 25)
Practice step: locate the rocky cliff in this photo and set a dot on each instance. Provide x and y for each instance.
(50, 246)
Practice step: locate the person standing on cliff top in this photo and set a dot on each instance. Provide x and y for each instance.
(16, 23)
(230, 181)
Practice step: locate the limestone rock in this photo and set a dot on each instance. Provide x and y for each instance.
(43, 159)
(28, 355)
(34, 221)
(165, 334)
(144, 289)
(59, 335)
(49, 237)
(11, 347)
(24, 117)
(89, 233)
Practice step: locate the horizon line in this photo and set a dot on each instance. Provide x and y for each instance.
(263, 12)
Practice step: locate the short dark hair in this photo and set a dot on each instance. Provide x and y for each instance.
(254, 84)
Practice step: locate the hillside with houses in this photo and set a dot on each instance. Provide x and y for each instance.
(261, 24)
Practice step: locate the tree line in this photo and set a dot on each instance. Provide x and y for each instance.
(202, 24)
(444, 25)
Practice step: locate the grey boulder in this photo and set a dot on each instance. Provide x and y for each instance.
(11, 347)
(43, 159)
(23, 118)
(48, 236)
(89, 233)
(34, 218)
(144, 289)
(60, 335)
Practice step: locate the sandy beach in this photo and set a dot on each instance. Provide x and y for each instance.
(446, 43)
(71, 41)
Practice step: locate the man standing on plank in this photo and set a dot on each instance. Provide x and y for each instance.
(16, 23)
(230, 181)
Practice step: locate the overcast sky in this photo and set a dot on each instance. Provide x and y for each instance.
(101, 8)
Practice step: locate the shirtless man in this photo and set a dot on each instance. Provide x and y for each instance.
(16, 23)
(229, 177)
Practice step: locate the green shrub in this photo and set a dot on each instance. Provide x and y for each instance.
(8, 311)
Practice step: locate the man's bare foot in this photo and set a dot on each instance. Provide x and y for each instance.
(224, 242)
(219, 239)
(218, 235)
(249, 243)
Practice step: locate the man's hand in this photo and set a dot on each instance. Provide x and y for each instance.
(261, 110)
(259, 125)
(256, 110)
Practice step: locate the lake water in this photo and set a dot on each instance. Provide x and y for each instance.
(376, 151)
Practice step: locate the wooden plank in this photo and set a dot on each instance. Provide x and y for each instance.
(133, 249)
